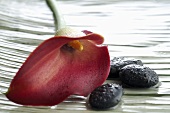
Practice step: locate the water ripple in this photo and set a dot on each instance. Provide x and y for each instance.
(137, 29)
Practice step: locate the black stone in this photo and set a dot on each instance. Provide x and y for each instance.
(106, 96)
(119, 62)
(138, 76)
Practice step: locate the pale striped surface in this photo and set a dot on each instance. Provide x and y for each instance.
(138, 29)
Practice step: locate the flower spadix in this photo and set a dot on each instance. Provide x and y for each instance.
(71, 62)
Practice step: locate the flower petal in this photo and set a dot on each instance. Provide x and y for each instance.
(54, 71)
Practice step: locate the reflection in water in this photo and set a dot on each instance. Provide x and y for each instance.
(125, 23)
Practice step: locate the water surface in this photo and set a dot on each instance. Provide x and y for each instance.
(132, 28)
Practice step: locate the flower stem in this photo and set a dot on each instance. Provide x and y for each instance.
(58, 17)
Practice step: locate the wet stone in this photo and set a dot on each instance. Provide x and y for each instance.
(106, 99)
(119, 62)
(138, 76)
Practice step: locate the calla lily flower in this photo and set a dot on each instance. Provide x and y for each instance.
(69, 63)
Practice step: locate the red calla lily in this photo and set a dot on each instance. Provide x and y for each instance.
(56, 70)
